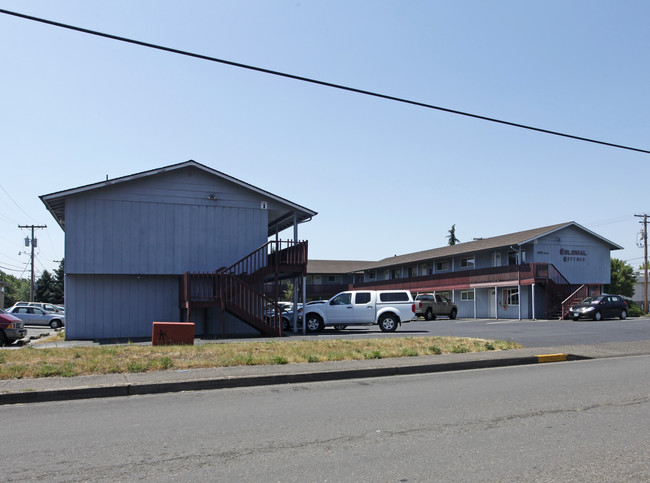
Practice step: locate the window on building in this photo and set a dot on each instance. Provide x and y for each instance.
(395, 273)
(467, 295)
(411, 271)
(467, 262)
(514, 256)
(371, 275)
(332, 278)
(511, 296)
(442, 266)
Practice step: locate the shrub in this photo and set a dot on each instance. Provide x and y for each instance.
(634, 310)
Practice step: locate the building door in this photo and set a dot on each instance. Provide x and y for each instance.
(492, 303)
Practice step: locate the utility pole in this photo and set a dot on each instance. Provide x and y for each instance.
(32, 242)
(645, 260)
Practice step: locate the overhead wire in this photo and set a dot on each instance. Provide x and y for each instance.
(317, 82)
(17, 205)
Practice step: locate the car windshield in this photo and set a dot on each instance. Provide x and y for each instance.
(592, 300)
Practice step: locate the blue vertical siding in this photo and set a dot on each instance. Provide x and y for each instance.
(122, 233)
(127, 244)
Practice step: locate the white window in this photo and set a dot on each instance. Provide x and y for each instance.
(511, 296)
(467, 295)
(442, 266)
(467, 262)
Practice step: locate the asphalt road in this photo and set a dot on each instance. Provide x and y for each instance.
(572, 421)
(539, 333)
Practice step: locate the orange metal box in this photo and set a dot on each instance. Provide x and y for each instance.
(172, 333)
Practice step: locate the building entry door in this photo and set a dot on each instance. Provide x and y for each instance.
(492, 303)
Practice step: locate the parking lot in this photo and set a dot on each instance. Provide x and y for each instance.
(529, 333)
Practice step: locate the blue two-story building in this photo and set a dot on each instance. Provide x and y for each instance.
(530, 274)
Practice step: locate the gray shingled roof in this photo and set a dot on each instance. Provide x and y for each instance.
(512, 239)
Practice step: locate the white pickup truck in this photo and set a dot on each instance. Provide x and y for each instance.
(386, 308)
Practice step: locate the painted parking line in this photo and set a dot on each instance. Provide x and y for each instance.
(504, 322)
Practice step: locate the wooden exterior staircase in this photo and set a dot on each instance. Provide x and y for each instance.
(240, 289)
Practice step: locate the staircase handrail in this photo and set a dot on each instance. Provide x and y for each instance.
(259, 258)
(570, 300)
(244, 300)
(573, 294)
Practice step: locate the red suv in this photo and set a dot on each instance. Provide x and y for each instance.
(11, 328)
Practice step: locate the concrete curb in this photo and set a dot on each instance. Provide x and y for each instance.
(139, 389)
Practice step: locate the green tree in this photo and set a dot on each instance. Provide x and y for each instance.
(288, 291)
(59, 290)
(16, 289)
(452, 235)
(45, 288)
(622, 278)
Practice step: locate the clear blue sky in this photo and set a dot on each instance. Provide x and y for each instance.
(385, 178)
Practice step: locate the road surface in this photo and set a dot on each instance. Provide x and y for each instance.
(578, 421)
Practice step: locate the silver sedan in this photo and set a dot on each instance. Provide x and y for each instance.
(36, 316)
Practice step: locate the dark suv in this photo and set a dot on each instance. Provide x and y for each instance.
(11, 328)
(600, 307)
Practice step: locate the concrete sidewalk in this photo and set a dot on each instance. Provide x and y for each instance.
(19, 391)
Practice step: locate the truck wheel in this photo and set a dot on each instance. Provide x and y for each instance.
(314, 323)
(428, 315)
(452, 314)
(388, 323)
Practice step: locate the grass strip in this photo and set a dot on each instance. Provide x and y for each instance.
(31, 362)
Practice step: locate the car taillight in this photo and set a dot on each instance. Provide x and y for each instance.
(413, 307)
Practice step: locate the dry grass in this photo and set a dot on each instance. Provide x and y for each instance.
(32, 362)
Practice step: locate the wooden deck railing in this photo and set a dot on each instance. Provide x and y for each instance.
(574, 299)
(233, 289)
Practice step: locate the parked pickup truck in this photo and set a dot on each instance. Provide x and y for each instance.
(430, 305)
(386, 308)
(11, 328)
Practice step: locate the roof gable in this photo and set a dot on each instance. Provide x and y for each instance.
(281, 210)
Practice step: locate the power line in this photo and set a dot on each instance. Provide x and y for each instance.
(317, 82)
(14, 202)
